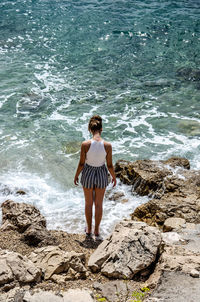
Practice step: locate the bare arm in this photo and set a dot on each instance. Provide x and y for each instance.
(80, 164)
(109, 163)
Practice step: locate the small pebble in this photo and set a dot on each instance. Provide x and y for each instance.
(194, 273)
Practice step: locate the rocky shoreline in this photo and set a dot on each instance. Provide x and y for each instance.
(157, 249)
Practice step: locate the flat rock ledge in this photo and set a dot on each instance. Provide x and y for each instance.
(58, 265)
(72, 295)
(132, 248)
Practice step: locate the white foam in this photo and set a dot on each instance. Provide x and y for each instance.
(65, 209)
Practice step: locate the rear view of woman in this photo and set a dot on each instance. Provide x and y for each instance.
(94, 179)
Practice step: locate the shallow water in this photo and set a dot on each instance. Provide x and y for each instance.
(136, 63)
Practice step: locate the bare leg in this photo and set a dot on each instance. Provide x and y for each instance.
(99, 195)
(88, 208)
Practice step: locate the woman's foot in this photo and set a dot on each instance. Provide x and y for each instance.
(88, 234)
(98, 237)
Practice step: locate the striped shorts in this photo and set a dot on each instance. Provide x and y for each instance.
(94, 177)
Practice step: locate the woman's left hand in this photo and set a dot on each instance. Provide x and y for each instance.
(76, 180)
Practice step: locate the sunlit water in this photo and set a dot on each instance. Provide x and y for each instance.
(135, 63)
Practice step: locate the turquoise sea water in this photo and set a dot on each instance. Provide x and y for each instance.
(135, 63)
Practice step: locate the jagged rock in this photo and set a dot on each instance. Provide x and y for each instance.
(131, 248)
(21, 215)
(52, 260)
(178, 196)
(180, 203)
(17, 268)
(35, 234)
(7, 226)
(147, 176)
(28, 220)
(175, 162)
(173, 223)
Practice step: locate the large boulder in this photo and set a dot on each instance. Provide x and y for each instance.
(21, 215)
(174, 189)
(131, 248)
(59, 265)
(17, 268)
(180, 199)
(28, 220)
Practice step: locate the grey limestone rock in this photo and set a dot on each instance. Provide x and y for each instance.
(17, 268)
(131, 248)
(21, 215)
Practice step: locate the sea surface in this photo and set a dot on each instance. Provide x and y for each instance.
(135, 63)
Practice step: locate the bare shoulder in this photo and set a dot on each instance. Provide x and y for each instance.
(85, 145)
(108, 146)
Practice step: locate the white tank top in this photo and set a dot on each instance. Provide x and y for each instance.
(96, 155)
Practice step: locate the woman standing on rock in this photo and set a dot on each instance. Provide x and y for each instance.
(94, 153)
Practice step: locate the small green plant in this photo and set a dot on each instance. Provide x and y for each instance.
(100, 299)
(139, 295)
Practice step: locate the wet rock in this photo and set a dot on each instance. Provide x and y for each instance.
(21, 192)
(177, 162)
(179, 198)
(147, 176)
(17, 268)
(188, 74)
(21, 215)
(173, 223)
(116, 196)
(130, 249)
(54, 261)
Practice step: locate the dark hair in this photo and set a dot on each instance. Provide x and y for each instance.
(95, 123)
